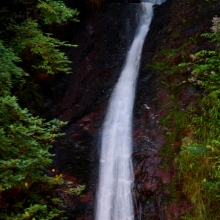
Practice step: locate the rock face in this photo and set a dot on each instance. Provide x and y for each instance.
(104, 36)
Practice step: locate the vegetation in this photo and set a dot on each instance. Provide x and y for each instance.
(26, 52)
(194, 128)
(199, 158)
(189, 68)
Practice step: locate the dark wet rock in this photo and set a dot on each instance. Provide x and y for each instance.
(152, 104)
(82, 97)
(104, 36)
(175, 210)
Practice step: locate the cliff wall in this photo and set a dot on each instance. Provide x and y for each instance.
(104, 35)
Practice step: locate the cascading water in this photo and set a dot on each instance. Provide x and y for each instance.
(114, 198)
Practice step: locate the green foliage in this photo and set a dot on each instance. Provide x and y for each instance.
(10, 72)
(45, 55)
(56, 12)
(198, 161)
(198, 169)
(192, 127)
(26, 51)
(23, 32)
(25, 143)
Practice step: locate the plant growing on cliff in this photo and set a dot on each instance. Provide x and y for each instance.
(26, 51)
(199, 159)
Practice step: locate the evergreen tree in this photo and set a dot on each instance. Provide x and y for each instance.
(26, 50)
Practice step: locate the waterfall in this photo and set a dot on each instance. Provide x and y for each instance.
(114, 197)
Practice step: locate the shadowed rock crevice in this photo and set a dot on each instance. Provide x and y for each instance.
(104, 36)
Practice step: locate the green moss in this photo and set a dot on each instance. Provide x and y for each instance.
(192, 145)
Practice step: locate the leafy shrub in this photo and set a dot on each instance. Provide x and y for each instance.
(199, 161)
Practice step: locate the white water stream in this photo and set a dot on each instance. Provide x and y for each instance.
(114, 197)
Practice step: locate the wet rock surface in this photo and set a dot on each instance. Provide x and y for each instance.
(153, 103)
(81, 99)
